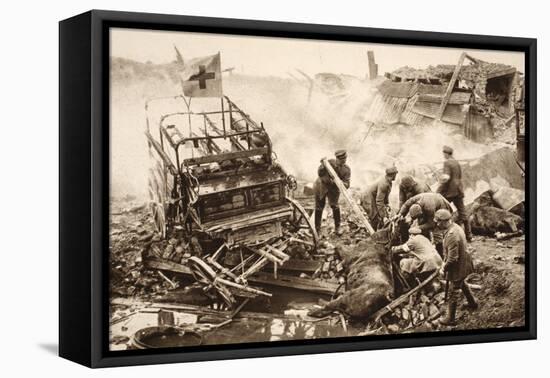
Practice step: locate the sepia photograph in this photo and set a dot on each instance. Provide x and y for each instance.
(267, 189)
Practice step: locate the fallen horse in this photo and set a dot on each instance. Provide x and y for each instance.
(370, 284)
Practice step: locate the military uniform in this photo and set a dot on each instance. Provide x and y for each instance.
(409, 187)
(429, 203)
(375, 201)
(457, 265)
(425, 258)
(325, 188)
(453, 190)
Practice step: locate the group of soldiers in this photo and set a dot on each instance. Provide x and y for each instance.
(435, 241)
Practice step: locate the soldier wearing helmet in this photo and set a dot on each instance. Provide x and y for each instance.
(457, 264)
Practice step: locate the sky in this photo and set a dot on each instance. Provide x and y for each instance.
(264, 56)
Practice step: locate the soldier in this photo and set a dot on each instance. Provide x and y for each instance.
(421, 259)
(375, 200)
(324, 187)
(457, 264)
(422, 208)
(451, 188)
(409, 187)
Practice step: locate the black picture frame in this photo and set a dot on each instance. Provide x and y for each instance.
(84, 186)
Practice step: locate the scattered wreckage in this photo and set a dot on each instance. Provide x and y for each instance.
(226, 216)
(226, 213)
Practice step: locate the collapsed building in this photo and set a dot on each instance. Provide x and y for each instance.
(473, 97)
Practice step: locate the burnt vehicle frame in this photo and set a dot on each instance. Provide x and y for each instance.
(232, 203)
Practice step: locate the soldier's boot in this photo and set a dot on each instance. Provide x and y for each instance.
(336, 215)
(472, 303)
(450, 317)
(468, 230)
(318, 220)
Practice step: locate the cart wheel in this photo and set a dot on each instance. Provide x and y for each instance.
(203, 273)
(300, 220)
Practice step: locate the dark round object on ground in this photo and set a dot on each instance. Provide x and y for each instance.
(165, 337)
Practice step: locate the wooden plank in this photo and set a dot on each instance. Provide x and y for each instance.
(296, 265)
(306, 284)
(399, 301)
(166, 265)
(258, 278)
(353, 206)
(450, 87)
(226, 156)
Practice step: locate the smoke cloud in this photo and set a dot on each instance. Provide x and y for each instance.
(304, 128)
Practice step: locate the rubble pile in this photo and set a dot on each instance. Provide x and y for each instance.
(131, 234)
(419, 312)
(332, 269)
(174, 249)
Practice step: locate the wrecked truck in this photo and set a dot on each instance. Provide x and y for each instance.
(223, 208)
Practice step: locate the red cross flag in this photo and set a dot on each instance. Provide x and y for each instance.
(202, 77)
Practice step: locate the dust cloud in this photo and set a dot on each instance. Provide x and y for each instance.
(304, 128)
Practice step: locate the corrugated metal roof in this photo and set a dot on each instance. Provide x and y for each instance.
(457, 98)
(396, 89)
(431, 89)
(455, 114)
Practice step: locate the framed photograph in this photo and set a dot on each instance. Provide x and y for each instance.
(234, 188)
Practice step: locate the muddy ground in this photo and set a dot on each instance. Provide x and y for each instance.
(498, 282)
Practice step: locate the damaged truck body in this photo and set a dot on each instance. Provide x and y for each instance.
(223, 208)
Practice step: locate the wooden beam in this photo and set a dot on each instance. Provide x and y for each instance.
(296, 265)
(471, 58)
(399, 301)
(450, 87)
(353, 206)
(306, 284)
